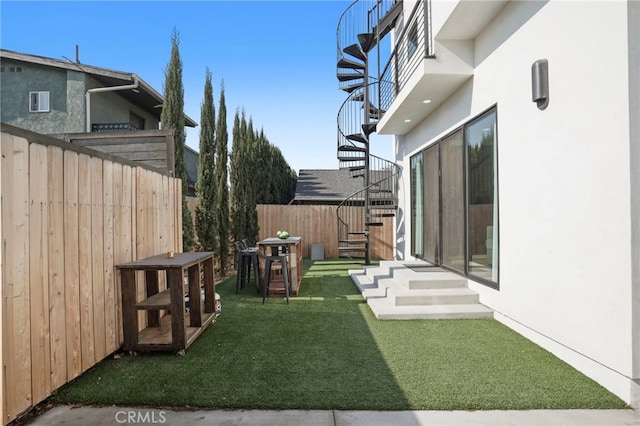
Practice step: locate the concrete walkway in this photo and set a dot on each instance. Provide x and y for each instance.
(99, 416)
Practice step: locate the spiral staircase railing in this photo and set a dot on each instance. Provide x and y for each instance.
(361, 29)
(367, 208)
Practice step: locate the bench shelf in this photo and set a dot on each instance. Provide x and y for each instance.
(177, 329)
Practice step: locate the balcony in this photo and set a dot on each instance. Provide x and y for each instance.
(113, 127)
(423, 70)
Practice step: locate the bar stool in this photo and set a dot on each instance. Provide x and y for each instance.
(272, 261)
(247, 260)
(247, 245)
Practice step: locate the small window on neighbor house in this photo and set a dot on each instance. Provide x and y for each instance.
(38, 101)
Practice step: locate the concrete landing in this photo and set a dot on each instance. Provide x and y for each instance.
(417, 290)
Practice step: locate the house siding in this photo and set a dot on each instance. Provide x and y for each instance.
(15, 96)
(67, 91)
(568, 278)
(75, 120)
(110, 107)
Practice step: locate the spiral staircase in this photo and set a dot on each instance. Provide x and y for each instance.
(361, 31)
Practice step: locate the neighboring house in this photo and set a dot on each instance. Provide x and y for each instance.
(517, 133)
(67, 99)
(325, 186)
(51, 96)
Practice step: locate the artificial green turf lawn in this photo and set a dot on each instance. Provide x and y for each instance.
(325, 350)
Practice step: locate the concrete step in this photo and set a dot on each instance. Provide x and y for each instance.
(425, 276)
(384, 309)
(395, 291)
(430, 280)
(407, 291)
(438, 296)
(367, 286)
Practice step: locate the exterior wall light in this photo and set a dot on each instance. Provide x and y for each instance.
(540, 83)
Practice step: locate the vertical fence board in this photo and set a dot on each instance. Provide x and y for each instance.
(3, 401)
(121, 252)
(57, 311)
(71, 268)
(126, 231)
(122, 231)
(157, 213)
(85, 264)
(144, 198)
(172, 213)
(15, 230)
(141, 236)
(165, 227)
(38, 273)
(150, 217)
(97, 256)
(141, 200)
(178, 186)
(109, 262)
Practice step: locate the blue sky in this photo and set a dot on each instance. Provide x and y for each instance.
(277, 58)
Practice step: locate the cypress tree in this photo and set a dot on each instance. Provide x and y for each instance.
(250, 177)
(172, 117)
(206, 196)
(263, 169)
(222, 190)
(244, 217)
(238, 222)
(255, 159)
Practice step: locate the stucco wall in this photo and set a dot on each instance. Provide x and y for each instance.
(15, 96)
(564, 180)
(67, 90)
(110, 107)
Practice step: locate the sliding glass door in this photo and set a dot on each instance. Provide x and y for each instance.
(425, 204)
(417, 206)
(482, 203)
(431, 196)
(454, 200)
(452, 149)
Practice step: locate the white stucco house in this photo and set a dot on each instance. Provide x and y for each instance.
(516, 128)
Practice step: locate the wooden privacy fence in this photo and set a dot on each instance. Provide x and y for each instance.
(318, 224)
(69, 214)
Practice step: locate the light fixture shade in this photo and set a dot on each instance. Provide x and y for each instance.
(540, 83)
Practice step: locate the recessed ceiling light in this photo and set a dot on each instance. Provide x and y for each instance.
(408, 120)
(426, 101)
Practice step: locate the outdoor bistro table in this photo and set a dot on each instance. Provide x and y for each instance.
(171, 332)
(294, 261)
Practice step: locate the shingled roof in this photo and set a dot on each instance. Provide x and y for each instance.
(325, 186)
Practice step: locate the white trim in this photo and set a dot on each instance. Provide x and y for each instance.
(40, 101)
